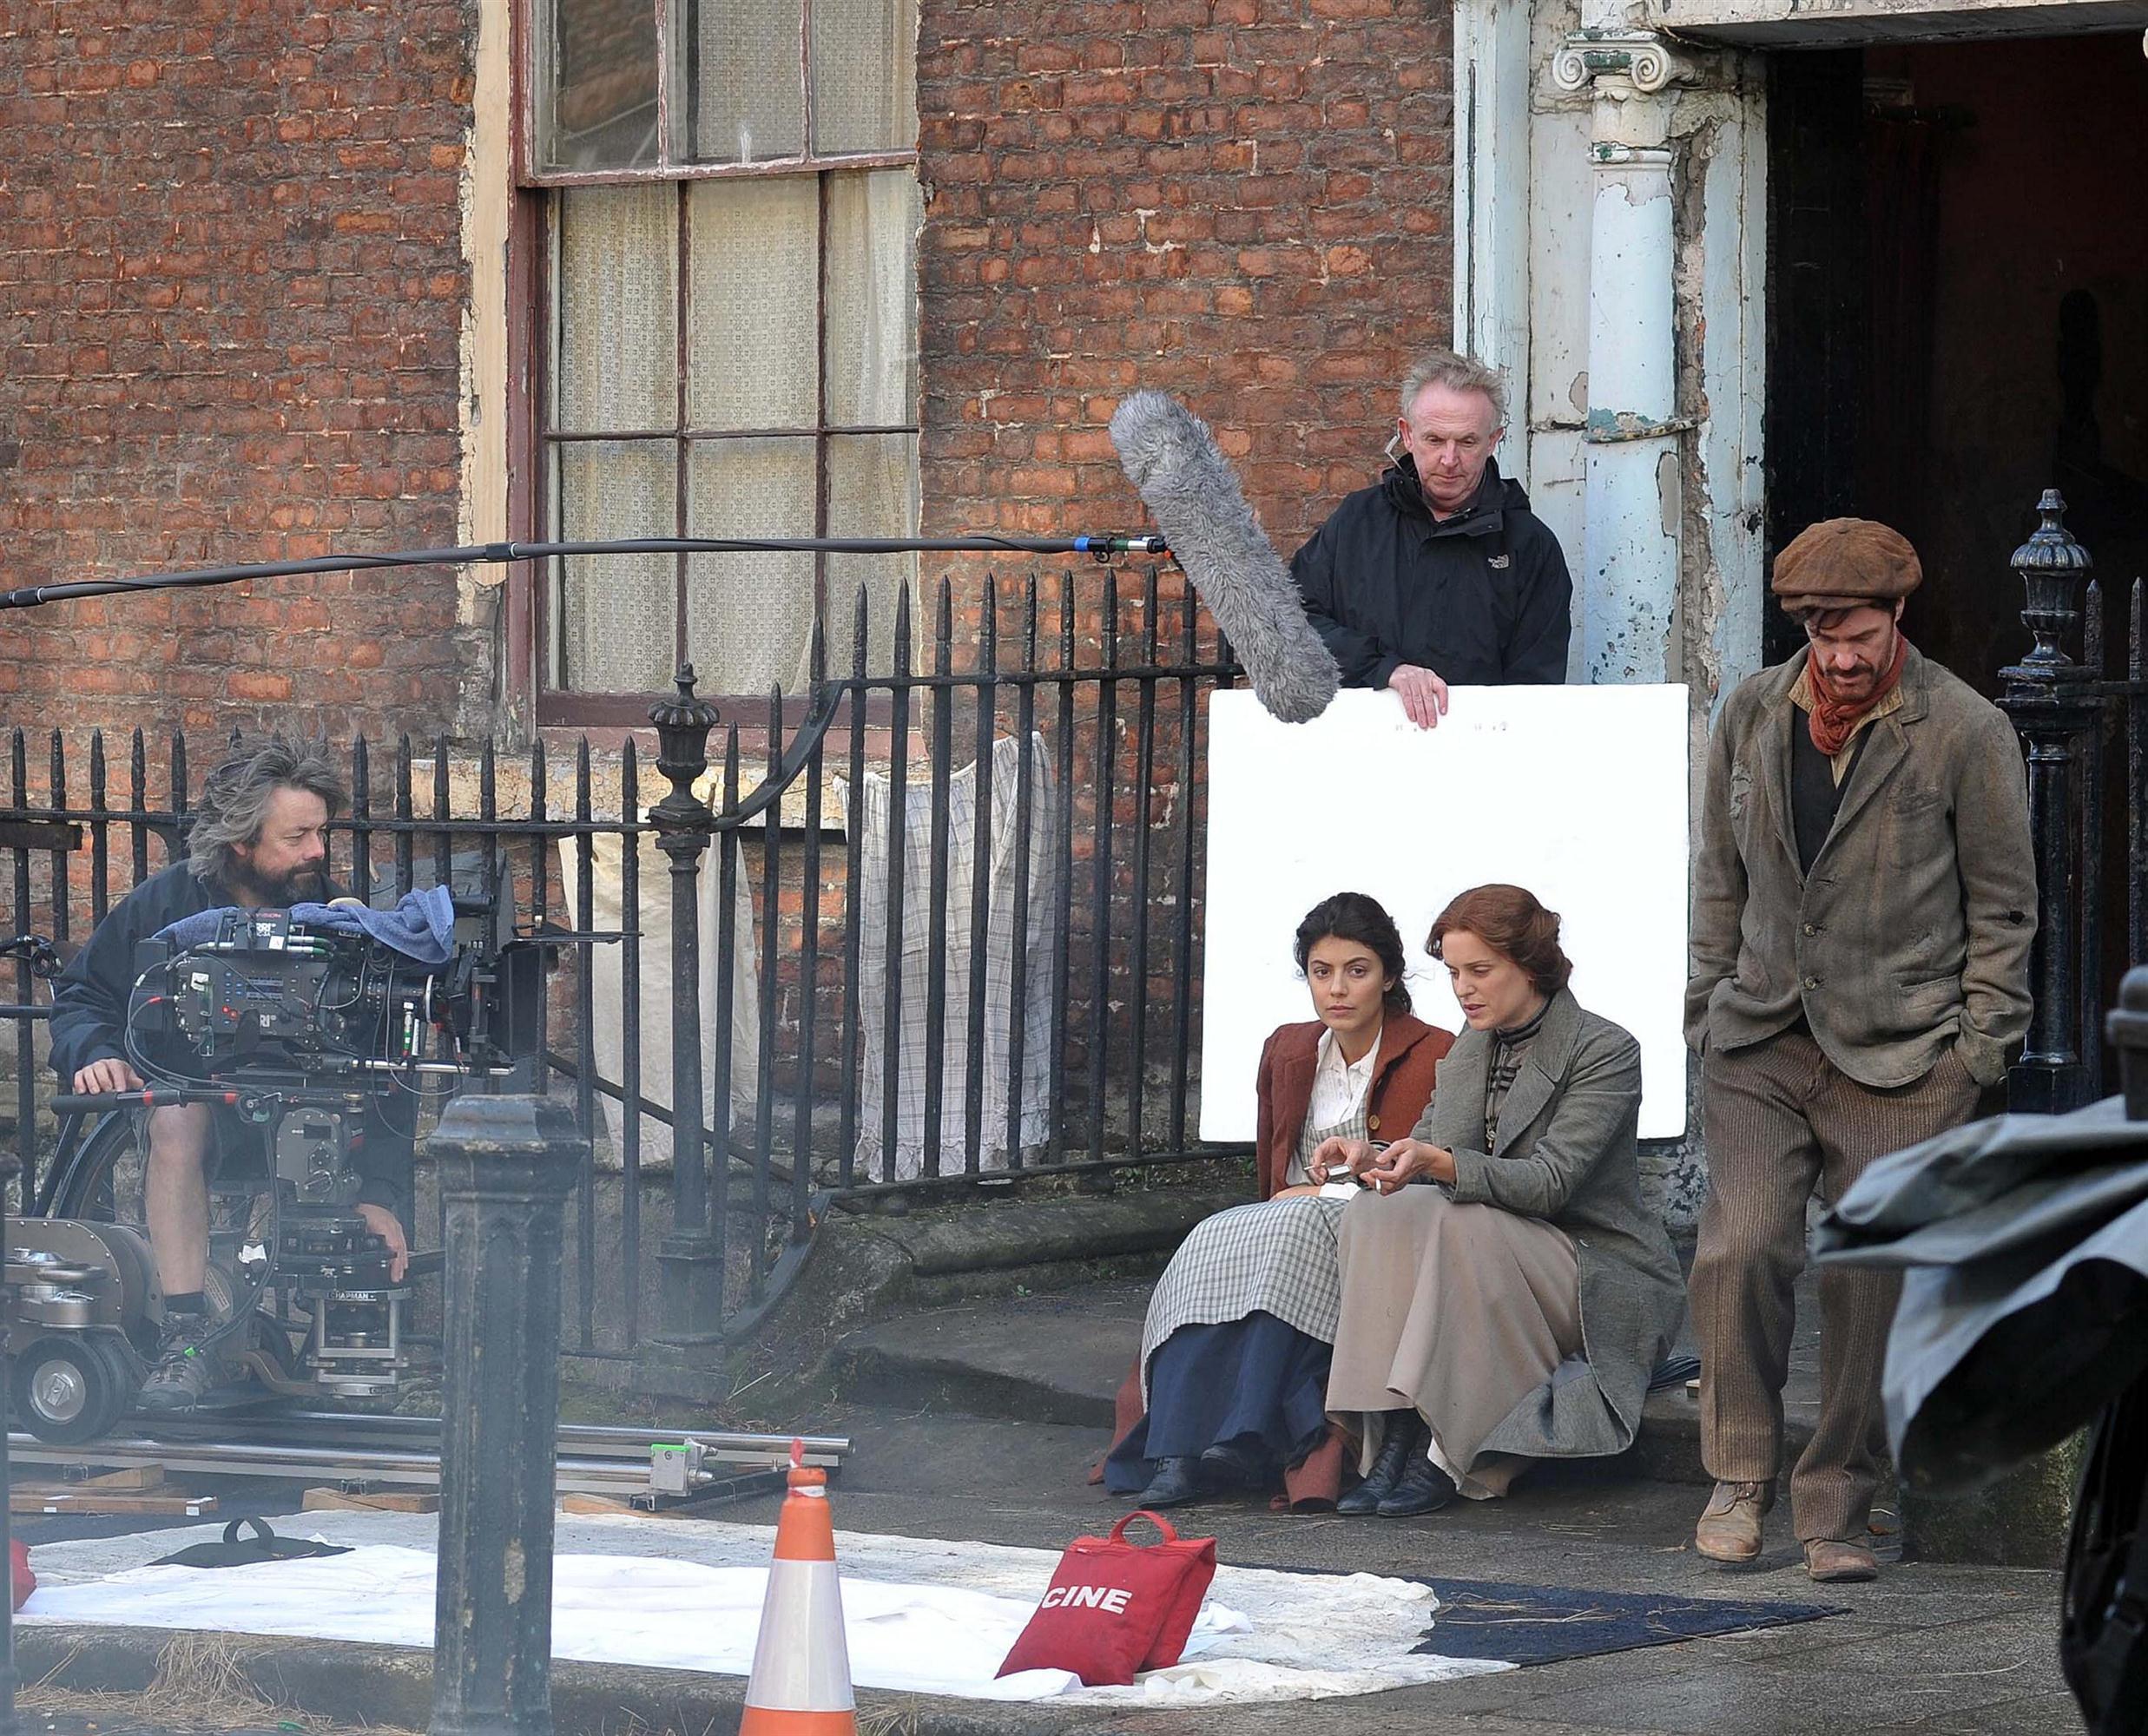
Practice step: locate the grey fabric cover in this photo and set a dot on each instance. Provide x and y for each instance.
(2023, 1241)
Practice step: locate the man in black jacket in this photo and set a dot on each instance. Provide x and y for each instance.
(1439, 573)
(259, 841)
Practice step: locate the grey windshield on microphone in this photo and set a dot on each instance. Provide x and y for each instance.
(1192, 492)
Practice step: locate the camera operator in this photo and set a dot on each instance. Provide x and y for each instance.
(260, 840)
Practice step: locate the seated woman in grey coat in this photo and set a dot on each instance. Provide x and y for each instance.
(1506, 1291)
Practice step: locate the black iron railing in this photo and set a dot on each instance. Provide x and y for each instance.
(2069, 714)
(944, 932)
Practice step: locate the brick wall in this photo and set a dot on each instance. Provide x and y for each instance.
(231, 284)
(1246, 202)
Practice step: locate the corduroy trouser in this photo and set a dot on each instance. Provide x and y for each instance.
(1780, 1119)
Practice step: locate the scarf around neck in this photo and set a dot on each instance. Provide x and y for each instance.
(1833, 719)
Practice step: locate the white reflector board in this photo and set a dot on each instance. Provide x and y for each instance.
(1577, 792)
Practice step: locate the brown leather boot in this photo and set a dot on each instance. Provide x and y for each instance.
(1835, 1563)
(1729, 1526)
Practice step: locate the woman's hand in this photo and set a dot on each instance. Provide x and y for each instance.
(1336, 1157)
(1408, 1160)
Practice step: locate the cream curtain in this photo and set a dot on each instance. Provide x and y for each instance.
(757, 331)
(617, 370)
(911, 832)
(865, 75)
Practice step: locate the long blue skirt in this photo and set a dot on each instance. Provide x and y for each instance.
(1256, 1383)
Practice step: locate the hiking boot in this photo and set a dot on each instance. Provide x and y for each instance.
(1729, 1526)
(186, 1370)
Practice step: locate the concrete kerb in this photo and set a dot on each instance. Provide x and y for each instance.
(393, 1685)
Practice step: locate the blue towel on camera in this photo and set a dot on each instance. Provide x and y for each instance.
(420, 927)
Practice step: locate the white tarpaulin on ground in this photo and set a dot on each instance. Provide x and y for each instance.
(921, 1615)
(1578, 793)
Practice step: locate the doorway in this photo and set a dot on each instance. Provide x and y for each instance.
(1958, 315)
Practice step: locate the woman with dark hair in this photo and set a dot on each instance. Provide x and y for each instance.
(1506, 1291)
(1231, 1384)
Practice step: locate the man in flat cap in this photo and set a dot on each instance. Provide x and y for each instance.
(1862, 905)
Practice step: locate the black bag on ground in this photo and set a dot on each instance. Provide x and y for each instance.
(2103, 1633)
(234, 1552)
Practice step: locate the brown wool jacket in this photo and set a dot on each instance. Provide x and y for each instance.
(1410, 1051)
(1912, 934)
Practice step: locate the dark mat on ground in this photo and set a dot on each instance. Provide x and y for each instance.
(1548, 1624)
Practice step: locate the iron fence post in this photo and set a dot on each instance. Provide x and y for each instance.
(506, 1165)
(691, 1258)
(2127, 1026)
(2051, 701)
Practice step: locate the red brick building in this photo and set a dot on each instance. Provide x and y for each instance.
(277, 281)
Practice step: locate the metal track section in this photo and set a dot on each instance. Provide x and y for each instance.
(333, 1447)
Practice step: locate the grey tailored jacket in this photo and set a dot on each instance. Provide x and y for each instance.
(1912, 934)
(1565, 1154)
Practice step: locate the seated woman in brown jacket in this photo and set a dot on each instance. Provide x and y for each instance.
(1231, 1382)
(1512, 1304)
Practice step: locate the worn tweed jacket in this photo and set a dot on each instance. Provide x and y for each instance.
(1566, 1154)
(1912, 934)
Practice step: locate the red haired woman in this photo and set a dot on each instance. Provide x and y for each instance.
(1506, 1291)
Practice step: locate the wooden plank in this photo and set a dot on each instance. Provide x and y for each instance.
(380, 1501)
(26, 1500)
(586, 1505)
(132, 1477)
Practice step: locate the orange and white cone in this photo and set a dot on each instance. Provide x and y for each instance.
(801, 1683)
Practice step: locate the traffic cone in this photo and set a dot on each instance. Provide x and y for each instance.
(801, 1683)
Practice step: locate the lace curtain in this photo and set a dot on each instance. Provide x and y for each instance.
(757, 287)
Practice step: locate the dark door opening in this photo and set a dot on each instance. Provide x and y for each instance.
(1958, 307)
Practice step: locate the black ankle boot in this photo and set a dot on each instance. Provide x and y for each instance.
(1176, 1483)
(1404, 1431)
(1228, 1465)
(1422, 1488)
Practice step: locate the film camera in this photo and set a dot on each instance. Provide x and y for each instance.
(308, 1040)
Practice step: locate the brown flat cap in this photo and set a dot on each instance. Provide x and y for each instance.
(1845, 563)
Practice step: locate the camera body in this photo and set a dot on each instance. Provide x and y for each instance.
(305, 1036)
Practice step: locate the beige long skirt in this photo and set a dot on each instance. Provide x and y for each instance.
(1457, 1311)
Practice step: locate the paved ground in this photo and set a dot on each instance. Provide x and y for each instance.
(981, 1422)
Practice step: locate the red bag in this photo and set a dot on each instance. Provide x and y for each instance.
(21, 1581)
(1115, 1608)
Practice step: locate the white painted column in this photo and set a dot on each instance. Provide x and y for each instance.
(1491, 202)
(1628, 586)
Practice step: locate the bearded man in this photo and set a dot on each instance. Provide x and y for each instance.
(259, 841)
(1863, 902)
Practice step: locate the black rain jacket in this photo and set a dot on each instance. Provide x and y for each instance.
(90, 1018)
(1482, 599)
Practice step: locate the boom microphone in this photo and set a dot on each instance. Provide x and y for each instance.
(1187, 485)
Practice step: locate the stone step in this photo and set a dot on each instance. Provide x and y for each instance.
(1059, 1356)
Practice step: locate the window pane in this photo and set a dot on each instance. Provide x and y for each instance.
(753, 356)
(872, 491)
(617, 310)
(740, 79)
(596, 84)
(865, 75)
(617, 613)
(873, 298)
(749, 617)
